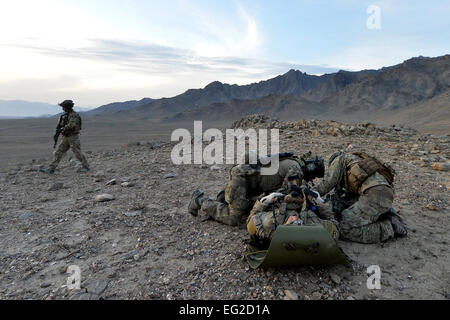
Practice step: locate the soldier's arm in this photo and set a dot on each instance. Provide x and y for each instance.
(332, 176)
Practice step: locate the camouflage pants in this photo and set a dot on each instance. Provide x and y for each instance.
(72, 142)
(360, 222)
(237, 205)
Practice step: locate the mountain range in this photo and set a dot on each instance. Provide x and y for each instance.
(414, 92)
(417, 86)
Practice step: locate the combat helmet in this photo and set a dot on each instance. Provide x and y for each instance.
(67, 104)
(314, 166)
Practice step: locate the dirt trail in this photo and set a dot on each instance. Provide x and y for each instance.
(144, 245)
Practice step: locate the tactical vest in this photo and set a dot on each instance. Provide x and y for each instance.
(359, 171)
(78, 122)
(63, 120)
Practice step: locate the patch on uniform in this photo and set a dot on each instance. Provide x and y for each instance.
(253, 225)
(256, 221)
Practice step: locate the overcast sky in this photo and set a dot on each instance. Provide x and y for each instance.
(100, 51)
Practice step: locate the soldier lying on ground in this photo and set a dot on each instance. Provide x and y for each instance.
(366, 185)
(246, 184)
(69, 126)
(280, 209)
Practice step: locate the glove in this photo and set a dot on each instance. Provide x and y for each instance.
(270, 199)
(309, 192)
(318, 198)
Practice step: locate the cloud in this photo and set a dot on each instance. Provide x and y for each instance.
(158, 59)
(253, 39)
(111, 70)
(232, 32)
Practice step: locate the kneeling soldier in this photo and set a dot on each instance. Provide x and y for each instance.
(368, 184)
(246, 184)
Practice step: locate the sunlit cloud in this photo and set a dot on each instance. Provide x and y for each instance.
(127, 66)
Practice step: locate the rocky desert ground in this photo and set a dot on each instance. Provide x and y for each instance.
(142, 243)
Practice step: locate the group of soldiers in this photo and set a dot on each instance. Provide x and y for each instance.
(358, 189)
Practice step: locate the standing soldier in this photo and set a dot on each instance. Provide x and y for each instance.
(367, 184)
(69, 126)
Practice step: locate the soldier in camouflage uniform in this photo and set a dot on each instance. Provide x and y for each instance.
(70, 125)
(246, 184)
(288, 209)
(368, 184)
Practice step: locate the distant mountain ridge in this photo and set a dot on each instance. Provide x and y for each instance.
(413, 81)
(279, 106)
(118, 107)
(291, 83)
(420, 84)
(13, 109)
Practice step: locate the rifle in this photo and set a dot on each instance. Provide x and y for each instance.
(59, 128)
(56, 136)
(312, 198)
(339, 204)
(308, 192)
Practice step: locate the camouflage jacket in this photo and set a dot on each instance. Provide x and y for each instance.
(263, 221)
(287, 168)
(71, 122)
(336, 175)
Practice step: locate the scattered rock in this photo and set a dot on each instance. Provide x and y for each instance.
(137, 213)
(316, 296)
(97, 286)
(26, 215)
(56, 186)
(431, 207)
(335, 278)
(104, 197)
(442, 166)
(290, 295)
(169, 176)
(127, 184)
(111, 182)
(99, 174)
